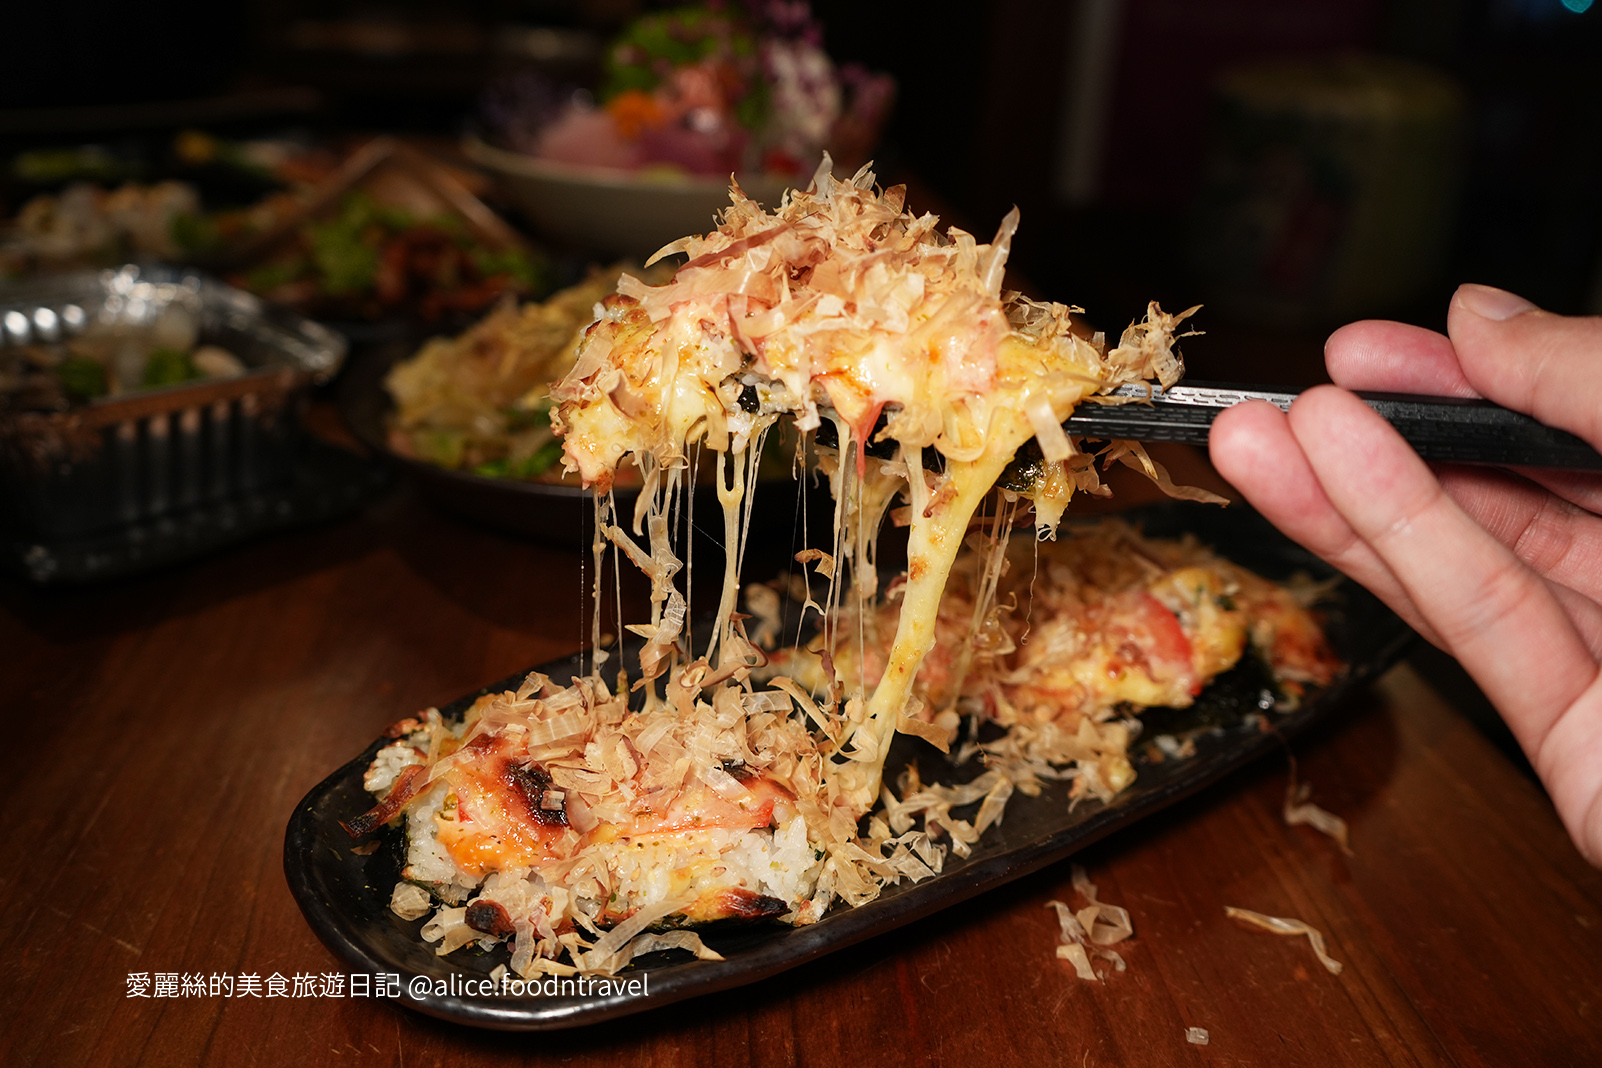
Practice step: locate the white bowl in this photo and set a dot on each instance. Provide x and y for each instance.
(614, 212)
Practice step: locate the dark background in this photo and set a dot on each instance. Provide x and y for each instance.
(985, 95)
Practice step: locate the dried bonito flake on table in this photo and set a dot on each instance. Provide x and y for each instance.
(1092, 929)
(1298, 810)
(1283, 926)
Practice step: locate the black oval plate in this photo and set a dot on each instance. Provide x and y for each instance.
(346, 897)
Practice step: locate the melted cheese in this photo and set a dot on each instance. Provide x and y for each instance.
(1105, 621)
(840, 305)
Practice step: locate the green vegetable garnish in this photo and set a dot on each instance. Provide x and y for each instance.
(533, 466)
(167, 367)
(661, 42)
(442, 447)
(345, 251)
(197, 235)
(529, 418)
(50, 165)
(530, 271)
(544, 458)
(751, 110)
(270, 276)
(82, 378)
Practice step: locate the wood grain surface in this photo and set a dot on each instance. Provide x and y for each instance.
(160, 730)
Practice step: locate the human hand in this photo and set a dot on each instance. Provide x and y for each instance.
(1501, 569)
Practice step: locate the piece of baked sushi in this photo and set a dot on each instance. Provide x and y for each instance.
(555, 817)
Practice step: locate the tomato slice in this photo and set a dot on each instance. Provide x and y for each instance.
(1168, 639)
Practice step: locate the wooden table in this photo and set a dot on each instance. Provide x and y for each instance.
(160, 731)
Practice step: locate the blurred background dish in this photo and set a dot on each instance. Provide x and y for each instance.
(132, 392)
(390, 235)
(468, 419)
(162, 198)
(1291, 166)
(149, 412)
(612, 212)
(560, 512)
(382, 233)
(480, 402)
(551, 512)
(638, 150)
(708, 89)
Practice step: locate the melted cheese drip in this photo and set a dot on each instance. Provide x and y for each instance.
(838, 306)
(937, 534)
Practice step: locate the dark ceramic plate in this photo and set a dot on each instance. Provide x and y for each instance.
(345, 896)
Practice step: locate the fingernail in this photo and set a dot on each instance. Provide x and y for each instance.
(1488, 302)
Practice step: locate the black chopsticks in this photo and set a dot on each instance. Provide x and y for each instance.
(1440, 429)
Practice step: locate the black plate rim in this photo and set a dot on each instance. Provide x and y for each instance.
(841, 927)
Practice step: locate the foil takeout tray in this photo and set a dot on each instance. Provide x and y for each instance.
(129, 459)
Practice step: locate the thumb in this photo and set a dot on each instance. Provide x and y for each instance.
(1521, 357)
